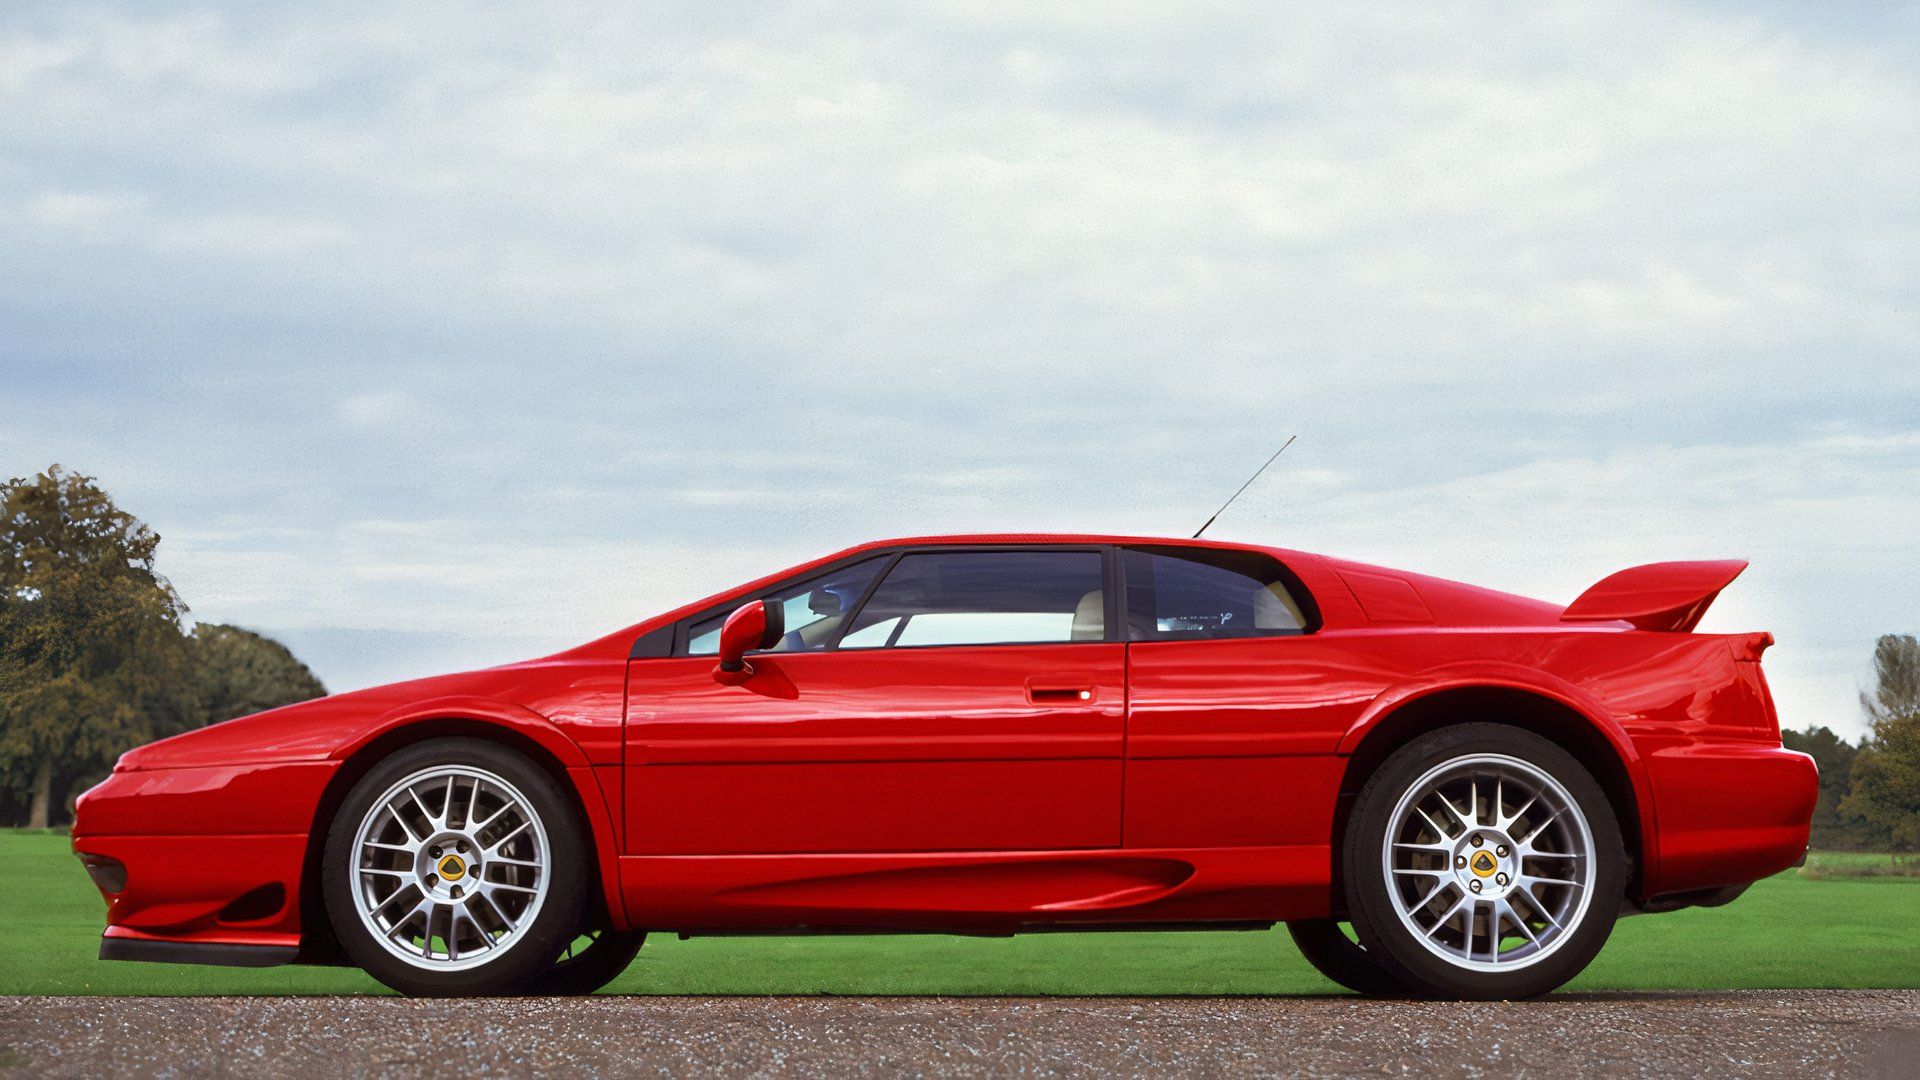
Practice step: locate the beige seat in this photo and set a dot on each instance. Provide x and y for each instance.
(1274, 609)
(1090, 617)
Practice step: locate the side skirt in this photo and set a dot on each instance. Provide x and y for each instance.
(978, 892)
(1003, 932)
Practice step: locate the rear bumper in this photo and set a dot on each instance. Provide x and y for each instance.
(1729, 813)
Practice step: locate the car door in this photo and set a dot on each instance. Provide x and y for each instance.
(929, 700)
(1235, 703)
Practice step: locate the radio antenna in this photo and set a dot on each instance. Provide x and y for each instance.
(1248, 484)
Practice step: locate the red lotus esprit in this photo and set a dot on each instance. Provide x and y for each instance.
(984, 735)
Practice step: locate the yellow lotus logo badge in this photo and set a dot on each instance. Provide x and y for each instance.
(452, 869)
(1483, 864)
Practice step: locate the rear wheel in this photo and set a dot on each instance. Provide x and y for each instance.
(1482, 861)
(1340, 958)
(455, 866)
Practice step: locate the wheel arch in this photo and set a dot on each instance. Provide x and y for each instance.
(1591, 737)
(316, 930)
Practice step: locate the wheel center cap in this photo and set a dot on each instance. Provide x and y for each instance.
(1484, 864)
(452, 868)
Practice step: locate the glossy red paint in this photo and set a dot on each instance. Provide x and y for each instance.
(752, 626)
(984, 748)
(1659, 596)
(990, 788)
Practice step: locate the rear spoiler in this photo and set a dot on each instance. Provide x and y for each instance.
(1657, 596)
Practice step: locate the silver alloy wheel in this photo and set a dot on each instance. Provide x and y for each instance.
(451, 865)
(1489, 862)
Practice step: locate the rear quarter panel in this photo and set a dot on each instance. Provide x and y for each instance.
(1719, 801)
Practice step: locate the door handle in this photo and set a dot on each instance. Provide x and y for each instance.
(1056, 695)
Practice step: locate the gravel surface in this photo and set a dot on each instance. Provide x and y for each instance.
(1749, 1033)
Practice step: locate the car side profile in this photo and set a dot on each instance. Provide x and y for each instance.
(986, 735)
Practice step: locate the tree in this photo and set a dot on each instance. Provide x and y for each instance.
(237, 672)
(91, 653)
(1886, 771)
(1833, 830)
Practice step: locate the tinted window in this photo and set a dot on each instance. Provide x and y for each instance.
(984, 598)
(814, 610)
(1178, 593)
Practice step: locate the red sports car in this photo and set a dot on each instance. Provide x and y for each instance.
(983, 735)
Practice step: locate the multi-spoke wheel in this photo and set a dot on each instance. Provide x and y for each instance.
(1490, 862)
(1483, 861)
(453, 863)
(454, 867)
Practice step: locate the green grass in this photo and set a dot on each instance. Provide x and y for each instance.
(1861, 864)
(1794, 930)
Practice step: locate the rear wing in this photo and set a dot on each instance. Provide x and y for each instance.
(1657, 596)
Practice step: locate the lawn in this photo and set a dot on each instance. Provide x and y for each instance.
(1795, 930)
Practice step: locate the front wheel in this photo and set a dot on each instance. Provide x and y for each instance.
(1483, 861)
(1337, 956)
(455, 867)
(591, 961)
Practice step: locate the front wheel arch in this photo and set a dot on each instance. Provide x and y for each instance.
(317, 944)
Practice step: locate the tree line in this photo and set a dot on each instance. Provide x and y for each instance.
(1870, 793)
(97, 653)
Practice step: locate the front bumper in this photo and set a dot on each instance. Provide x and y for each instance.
(211, 858)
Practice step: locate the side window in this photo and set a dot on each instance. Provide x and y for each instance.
(984, 598)
(1176, 594)
(814, 610)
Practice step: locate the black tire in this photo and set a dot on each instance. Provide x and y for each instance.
(534, 944)
(587, 968)
(1337, 956)
(1390, 941)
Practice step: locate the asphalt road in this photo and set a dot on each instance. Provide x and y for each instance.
(1749, 1033)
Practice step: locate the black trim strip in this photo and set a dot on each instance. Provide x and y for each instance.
(196, 952)
(655, 644)
(1114, 577)
(866, 594)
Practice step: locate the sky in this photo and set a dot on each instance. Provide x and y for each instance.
(436, 336)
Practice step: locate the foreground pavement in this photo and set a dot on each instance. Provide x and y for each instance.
(1771, 1033)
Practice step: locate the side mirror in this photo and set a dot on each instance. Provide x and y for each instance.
(753, 625)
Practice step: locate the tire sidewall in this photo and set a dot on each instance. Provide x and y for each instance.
(1377, 922)
(534, 950)
(1334, 955)
(601, 963)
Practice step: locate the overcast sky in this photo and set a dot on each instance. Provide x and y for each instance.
(438, 337)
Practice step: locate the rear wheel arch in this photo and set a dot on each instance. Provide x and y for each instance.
(1555, 719)
(316, 933)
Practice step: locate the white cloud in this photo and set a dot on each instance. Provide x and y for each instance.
(1545, 291)
(378, 409)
